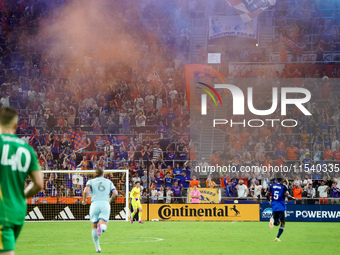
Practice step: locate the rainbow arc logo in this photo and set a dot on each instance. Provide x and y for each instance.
(204, 97)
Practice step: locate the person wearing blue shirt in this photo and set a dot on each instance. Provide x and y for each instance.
(178, 172)
(278, 193)
(115, 143)
(168, 180)
(307, 162)
(158, 181)
(229, 189)
(185, 180)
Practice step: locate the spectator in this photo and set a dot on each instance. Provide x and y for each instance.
(297, 191)
(229, 189)
(335, 194)
(194, 182)
(100, 143)
(176, 191)
(242, 190)
(195, 195)
(154, 194)
(169, 195)
(258, 190)
(167, 179)
(160, 195)
(310, 194)
(210, 183)
(322, 193)
(157, 152)
(292, 152)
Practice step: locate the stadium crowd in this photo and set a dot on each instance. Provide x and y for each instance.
(136, 117)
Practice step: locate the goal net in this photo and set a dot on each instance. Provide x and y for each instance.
(61, 199)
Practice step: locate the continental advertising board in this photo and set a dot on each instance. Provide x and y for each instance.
(204, 212)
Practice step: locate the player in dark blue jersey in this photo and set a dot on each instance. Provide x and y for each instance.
(278, 193)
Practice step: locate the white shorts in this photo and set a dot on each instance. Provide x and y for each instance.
(100, 210)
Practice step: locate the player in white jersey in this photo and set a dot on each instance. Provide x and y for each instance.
(100, 208)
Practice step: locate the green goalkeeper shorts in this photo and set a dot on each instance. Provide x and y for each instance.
(8, 235)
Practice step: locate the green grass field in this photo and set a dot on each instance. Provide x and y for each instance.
(179, 238)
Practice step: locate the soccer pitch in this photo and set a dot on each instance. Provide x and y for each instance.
(179, 238)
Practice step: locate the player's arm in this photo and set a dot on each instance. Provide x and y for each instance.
(288, 195)
(86, 191)
(132, 194)
(36, 185)
(114, 196)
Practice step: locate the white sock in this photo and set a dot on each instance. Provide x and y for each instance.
(140, 218)
(95, 238)
(104, 227)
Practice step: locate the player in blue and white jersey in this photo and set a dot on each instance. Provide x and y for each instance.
(100, 208)
(278, 193)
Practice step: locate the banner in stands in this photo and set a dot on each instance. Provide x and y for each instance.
(260, 70)
(312, 213)
(220, 26)
(54, 212)
(203, 212)
(208, 196)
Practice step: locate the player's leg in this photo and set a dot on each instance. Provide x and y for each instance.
(94, 217)
(140, 210)
(282, 219)
(134, 207)
(7, 240)
(276, 216)
(104, 217)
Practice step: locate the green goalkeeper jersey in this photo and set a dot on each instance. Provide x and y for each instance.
(17, 161)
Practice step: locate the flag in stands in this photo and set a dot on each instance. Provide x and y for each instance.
(154, 79)
(250, 8)
(291, 46)
(78, 142)
(33, 138)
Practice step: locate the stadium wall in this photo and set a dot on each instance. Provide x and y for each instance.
(303, 213)
(202, 212)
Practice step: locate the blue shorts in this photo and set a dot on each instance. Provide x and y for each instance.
(100, 210)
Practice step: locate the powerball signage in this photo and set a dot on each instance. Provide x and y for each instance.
(208, 196)
(312, 213)
(205, 212)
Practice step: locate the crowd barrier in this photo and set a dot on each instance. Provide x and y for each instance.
(202, 212)
(303, 213)
(188, 212)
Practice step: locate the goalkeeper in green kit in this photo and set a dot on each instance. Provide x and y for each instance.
(17, 161)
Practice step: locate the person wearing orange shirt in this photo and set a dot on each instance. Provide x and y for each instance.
(291, 152)
(210, 183)
(304, 136)
(280, 161)
(328, 153)
(267, 161)
(297, 191)
(336, 154)
(194, 182)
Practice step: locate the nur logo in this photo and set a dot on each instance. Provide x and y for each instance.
(204, 97)
(239, 99)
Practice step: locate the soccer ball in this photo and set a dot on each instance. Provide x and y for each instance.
(235, 201)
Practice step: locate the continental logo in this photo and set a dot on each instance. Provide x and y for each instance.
(166, 212)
